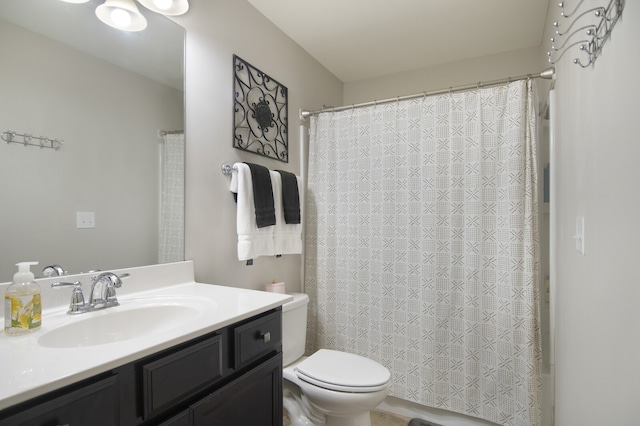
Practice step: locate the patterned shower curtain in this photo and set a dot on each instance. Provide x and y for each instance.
(421, 247)
(171, 241)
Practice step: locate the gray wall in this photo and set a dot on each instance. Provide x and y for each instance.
(598, 294)
(216, 30)
(486, 68)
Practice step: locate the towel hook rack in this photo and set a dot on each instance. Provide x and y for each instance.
(29, 140)
(597, 29)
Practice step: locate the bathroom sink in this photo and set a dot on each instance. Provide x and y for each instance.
(130, 320)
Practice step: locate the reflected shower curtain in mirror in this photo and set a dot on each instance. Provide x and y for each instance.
(421, 247)
(171, 241)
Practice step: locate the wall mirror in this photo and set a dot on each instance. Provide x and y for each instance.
(107, 94)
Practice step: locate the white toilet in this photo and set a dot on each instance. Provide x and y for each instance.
(335, 388)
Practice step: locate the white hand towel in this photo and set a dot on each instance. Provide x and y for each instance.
(253, 242)
(287, 238)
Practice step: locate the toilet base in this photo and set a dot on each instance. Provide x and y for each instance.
(298, 408)
(329, 407)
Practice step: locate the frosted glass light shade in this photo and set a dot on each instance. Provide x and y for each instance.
(166, 7)
(121, 14)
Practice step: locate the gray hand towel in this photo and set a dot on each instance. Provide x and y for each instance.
(290, 197)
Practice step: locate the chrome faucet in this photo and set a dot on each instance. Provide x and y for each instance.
(103, 290)
(103, 293)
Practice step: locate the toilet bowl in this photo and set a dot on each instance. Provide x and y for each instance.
(338, 387)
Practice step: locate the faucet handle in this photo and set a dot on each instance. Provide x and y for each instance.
(115, 282)
(118, 282)
(76, 305)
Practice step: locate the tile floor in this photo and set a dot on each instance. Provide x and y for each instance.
(378, 418)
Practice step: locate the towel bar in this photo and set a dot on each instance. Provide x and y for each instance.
(227, 169)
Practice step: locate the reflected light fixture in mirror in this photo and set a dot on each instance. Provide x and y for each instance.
(124, 14)
(121, 14)
(166, 7)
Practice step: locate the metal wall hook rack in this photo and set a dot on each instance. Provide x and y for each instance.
(589, 30)
(568, 15)
(597, 24)
(597, 12)
(29, 140)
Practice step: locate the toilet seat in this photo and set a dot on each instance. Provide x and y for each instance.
(343, 372)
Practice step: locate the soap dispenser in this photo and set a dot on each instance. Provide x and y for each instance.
(22, 302)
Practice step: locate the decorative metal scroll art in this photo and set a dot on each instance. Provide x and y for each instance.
(260, 112)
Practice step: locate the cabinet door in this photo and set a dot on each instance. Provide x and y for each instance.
(181, 419)
(180, 375)
(255, 398)
(95, 404)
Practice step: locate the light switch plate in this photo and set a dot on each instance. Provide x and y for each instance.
(85, 220)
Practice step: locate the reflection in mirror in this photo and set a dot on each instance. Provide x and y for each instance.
(108, 94)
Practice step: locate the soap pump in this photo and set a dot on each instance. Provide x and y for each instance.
(22, 302)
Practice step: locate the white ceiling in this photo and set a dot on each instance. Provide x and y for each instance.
(360, 39)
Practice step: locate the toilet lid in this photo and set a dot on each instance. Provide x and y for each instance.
(344, 372)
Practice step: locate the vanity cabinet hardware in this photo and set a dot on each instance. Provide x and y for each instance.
(257, 338)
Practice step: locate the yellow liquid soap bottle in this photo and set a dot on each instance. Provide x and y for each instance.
(22, 302)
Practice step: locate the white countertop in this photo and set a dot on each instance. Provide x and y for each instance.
(29, 369)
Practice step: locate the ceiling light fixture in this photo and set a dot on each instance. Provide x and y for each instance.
(121, 14)
(166, 7)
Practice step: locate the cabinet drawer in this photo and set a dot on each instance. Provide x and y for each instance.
(93, 404)
(257, 338)
(180, 375)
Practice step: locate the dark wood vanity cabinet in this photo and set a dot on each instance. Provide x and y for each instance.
(77, 406)
(232, 376)
(243, 402)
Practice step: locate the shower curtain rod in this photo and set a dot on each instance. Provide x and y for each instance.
(547, 74)
(169, 132)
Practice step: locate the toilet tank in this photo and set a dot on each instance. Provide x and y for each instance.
(294, 328)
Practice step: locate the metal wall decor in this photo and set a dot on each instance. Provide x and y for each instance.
(260, 112)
